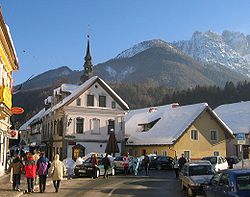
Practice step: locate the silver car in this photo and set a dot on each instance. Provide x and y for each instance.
(195, 175)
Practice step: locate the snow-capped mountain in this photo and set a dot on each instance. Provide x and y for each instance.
(140, 47)
(230, 49)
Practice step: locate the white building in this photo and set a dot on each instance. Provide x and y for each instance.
(78, 119)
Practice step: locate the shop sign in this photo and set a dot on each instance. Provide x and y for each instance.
(17, 110)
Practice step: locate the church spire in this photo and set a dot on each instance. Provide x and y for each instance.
(88, 70)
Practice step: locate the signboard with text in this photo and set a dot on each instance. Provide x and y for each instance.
(241, 139)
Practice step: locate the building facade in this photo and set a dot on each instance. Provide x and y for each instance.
(8, 64)
(193, 130)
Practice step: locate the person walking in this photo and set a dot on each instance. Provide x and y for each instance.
(125, 163)
(43, 165)
(70, 165)
(57, 171)
(106, 164)
(94, 163)
(30, 172)
(146, 163)
(176, 167)
(17, 167)
(181, 161)
(135, 164)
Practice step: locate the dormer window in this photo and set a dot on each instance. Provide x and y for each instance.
(147, 126)
(78, 102)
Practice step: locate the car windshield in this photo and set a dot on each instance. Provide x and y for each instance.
(200, 170)
(213, 160)
(243, 182)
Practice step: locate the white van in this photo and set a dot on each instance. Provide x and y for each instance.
(218, 162)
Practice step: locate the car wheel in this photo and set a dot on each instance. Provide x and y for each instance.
(190, 192)
(158, 167)
(113, 171)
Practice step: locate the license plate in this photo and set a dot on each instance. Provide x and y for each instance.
(83, 171)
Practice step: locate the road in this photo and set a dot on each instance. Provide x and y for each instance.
(160, 183)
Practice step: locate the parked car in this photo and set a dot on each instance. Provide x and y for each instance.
(218, 162)
(161, 162)
(233, 183)
(195, 175)
(85, 169)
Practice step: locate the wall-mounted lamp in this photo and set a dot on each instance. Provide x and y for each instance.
(69, 121)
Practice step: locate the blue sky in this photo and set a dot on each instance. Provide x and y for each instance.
(53, 33)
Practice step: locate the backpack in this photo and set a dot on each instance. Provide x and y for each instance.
(43, 168)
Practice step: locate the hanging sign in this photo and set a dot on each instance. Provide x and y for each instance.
(13, 134)
(17, 110)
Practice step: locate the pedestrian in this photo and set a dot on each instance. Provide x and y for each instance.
(16, 166)
(57, 171)
(181, 161)
(43, 165)
(30, 172)
(176, 167)
(94, 163)
(135, 165)
(106, 164)
(70, 165)
(146, 163)
(36, 156)
(125, 163)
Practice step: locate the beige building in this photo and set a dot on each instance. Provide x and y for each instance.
(8, 64)
(194, 130)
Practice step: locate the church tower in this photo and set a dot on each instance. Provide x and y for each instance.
(88, 67)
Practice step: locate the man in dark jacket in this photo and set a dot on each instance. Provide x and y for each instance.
(181, 161)
(43, 165)
(106, 164)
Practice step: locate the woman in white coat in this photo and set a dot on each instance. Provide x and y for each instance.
(57, 171)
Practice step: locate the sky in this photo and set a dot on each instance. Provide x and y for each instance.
(48, 34)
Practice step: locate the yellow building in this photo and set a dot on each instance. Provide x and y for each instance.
(8, 63)
(194, 130)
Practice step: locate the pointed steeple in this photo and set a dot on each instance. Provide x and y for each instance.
(88, 67)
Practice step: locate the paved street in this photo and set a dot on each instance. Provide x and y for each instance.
(160, 183)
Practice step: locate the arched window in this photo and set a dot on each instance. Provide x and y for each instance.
(79, 125)
(78, 102)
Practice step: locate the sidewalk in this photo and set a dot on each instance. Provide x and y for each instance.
(6, 186)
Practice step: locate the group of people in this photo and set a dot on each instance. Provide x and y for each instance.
(136, 161)
(106, 164)
(178, 164)
(36, 165)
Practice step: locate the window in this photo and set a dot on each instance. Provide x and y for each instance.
(214, 135)
(60, 127)
(194, 134)
(111, 126)
(164, 153)
(187, 155)
(90, 100)
(78, 102)
(113, 104)
(102, 101)
(216, 153)
(155, 152)
(95, 126)
(79, 125)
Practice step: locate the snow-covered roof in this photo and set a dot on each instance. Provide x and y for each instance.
(173, 121)
(65, 88)
(236, 116)
(82, 88)
(35, 117)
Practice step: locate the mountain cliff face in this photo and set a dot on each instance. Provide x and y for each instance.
(230, 49)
